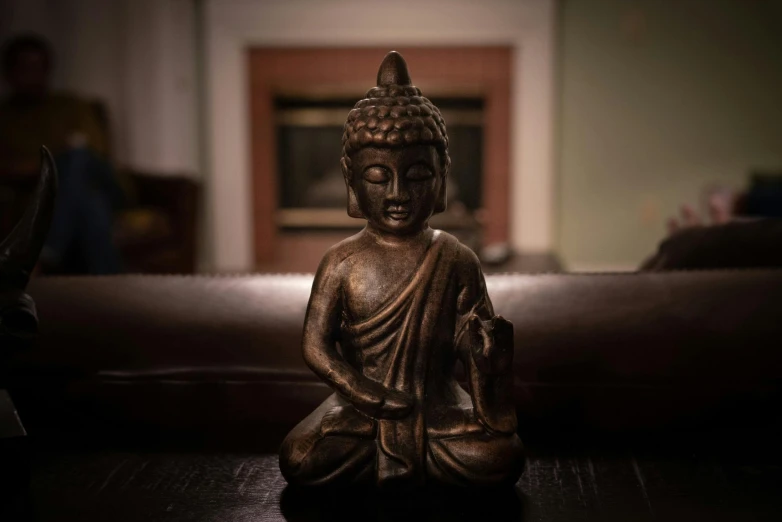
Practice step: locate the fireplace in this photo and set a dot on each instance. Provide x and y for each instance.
(300, 99)
(311, 190)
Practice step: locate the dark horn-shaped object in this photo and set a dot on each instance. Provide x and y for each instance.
(20, 250)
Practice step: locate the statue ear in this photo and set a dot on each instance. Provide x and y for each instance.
(445, 168)
(442, 197)
(354, 210)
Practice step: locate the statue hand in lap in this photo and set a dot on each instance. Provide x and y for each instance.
(377, 401)
(392, 310)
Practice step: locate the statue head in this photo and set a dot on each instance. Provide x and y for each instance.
(18, 257)
(395, 153)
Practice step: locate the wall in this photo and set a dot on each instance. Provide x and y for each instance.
(136, 55)
(233, 25)
(85, 38)
(657, 100)
(161, 85)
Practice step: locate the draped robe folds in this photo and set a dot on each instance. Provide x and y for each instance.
(394, 347)
(407, 345)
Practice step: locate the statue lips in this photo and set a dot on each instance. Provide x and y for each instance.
(398, 213)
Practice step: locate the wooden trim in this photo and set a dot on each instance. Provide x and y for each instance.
(264, 165)
(438, 71)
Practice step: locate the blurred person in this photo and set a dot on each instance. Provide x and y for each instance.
(80, 239)
(720, 204)
(739, 231)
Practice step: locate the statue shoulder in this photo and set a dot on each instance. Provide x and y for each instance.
(471, 285)
(466, 258)
(338, 255)
(462, 251)
(466, 262)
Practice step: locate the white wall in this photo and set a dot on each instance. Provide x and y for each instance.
(160, 85)
(233, 25)
(658, 100)
(136, 55)
(85, 35)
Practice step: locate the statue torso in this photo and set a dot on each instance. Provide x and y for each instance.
(374, 275)
(376, 272)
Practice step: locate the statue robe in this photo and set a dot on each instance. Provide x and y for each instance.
(407, 345)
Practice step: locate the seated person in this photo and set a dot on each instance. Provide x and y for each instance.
(32, 116)
(405, 303)
(751, 243)
(727, 240)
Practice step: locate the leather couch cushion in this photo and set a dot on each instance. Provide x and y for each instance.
(638, 328)
(196, 353)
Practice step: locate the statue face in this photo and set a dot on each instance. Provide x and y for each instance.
(397, 189)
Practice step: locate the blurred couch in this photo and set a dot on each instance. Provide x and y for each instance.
(201, 360)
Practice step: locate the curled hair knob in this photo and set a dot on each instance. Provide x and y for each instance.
(393, 71)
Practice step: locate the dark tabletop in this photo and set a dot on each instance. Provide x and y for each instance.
(569, 477)
(150, 486)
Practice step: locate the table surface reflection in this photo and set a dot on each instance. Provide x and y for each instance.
(243, 487)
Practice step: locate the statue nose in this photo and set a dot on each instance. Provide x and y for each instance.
(397, 192)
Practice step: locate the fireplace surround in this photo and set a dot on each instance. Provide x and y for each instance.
(299, 98)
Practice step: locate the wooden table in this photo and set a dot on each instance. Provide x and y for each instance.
(625, 486)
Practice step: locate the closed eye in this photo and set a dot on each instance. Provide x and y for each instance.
(419, 172)
(376, 174)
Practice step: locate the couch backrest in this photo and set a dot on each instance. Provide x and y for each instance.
(612, 351)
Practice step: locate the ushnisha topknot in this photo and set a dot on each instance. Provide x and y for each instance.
(394, 114)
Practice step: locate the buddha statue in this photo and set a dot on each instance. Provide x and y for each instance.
(393, 309)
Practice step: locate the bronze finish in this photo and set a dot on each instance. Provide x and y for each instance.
(404, 303)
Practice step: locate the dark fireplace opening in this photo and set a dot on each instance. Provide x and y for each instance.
(311, 188)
